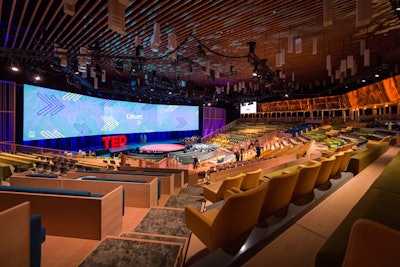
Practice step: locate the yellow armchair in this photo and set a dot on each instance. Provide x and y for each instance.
(216, 191)
(238, 214)
(335, 169)
(345, 160)
(279, 193)
(306, 180)
(372, 244)
(250, 180)
(372, 143)
(325, 170)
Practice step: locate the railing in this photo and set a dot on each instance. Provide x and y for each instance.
(8, 146)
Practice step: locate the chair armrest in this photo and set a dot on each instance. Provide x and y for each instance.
(195, 220)
(209, 194)
(231, 192)
(236, 190)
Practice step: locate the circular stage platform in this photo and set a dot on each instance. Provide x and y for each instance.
(162, 148)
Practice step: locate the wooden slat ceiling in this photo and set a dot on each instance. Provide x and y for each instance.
(223, 27)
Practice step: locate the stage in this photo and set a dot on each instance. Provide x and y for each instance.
(162, 148)
(166, 146)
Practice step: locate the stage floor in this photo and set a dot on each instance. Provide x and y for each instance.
(170, 146)
(162, 148)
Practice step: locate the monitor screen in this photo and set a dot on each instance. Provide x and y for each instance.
(248, 107)
(50, 114)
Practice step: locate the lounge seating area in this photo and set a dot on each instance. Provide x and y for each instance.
(281, 207)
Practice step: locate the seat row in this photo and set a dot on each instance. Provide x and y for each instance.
(249, 198)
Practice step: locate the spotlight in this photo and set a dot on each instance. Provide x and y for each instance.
(37, 77)
(14, 65)
(134, 68)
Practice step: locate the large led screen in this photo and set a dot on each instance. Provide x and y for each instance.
(248, 107)
(50, 114)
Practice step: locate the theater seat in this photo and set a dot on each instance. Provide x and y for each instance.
(279, 193)
(307, 176)
(216, 191)
(335, 169)
(238, 214)
(325, 170)
(372, 143)
(250, 180)
(345, 160)
(372, 244)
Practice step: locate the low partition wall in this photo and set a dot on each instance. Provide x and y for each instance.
(166, 179)
(180, 175)
(28, 179)
(15, 235)
(71, 215)
(136, 194)
(142, 191)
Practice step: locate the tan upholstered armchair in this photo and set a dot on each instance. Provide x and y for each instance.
(372, 244)
(238, 214)
(372, 143)
(325, 170)
(335, 169)
(279, 192)
(250, 180)
(216, 191)
(307, 176)
(345, 160)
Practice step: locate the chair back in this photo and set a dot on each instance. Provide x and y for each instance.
(335, 169)
(345, 160)
(307, 177)
(279, 193)
(238, 214)
(228, 183)
(325, 170)
(250, 180)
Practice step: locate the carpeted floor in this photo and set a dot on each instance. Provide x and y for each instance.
(160, 239)
(180, 201)
(120, 252)
(191, 190)
(164, 221)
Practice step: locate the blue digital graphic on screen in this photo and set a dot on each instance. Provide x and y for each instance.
(52, 114)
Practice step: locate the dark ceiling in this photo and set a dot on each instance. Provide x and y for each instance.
(212, 44)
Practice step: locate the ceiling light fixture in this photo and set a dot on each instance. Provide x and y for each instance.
(14, 65)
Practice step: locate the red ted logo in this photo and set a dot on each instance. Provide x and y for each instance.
(113, 141)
